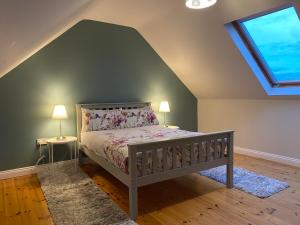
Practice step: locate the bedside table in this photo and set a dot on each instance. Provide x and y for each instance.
(54, 141)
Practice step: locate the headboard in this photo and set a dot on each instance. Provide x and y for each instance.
(125, 105)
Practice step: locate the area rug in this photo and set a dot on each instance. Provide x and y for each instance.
(250, 182)
(74, 199)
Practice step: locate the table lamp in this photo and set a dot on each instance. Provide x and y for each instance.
(60, 113)
(165, 108)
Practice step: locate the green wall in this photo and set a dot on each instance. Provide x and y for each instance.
(91, 62)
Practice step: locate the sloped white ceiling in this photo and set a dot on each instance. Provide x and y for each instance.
(28, 25)
(194, 43)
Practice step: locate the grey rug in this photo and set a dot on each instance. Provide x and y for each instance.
(250, 182)
(74, 199)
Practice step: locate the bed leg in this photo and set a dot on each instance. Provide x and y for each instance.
(133, 187)
(229, 175)
(133, 203)
(230, 162)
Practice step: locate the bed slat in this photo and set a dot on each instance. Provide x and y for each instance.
(154, 161)
(183, 155)
(193, 155)
(165, 166)
(174, 156)
(208, 153)
(201, 152)
(222, 148)
(216, 153)
(144, 163)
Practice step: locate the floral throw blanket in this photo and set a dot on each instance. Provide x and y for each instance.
(112, 144)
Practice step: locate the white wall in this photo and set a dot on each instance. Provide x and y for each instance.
(271, 126)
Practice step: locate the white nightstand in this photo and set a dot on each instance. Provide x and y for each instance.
(173, 127)
(54, 141)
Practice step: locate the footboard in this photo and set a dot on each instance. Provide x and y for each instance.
(177, 157)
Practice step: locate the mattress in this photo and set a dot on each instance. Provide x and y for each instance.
(112, 145)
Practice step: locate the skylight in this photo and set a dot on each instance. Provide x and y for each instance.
(276, 37)
(270, 44)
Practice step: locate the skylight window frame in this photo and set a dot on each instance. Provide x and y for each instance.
(255, 52)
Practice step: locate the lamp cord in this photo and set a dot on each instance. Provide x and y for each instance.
(42, 156)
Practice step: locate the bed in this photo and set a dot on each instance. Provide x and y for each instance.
(146, 153)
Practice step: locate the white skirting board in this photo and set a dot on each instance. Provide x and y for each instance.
(268, 156)
(6, 174)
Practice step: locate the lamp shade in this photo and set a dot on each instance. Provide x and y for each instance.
(164, 106)
(59, 112)
(199, 4)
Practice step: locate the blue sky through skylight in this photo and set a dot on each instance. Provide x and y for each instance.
(277, 37)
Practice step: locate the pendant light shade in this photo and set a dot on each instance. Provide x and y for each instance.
(199, 4)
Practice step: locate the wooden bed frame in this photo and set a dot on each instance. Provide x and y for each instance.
(215, 149)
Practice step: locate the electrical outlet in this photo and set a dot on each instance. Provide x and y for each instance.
(41, 141)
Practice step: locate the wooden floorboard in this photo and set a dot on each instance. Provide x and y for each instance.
(191, 199)
(22, 202)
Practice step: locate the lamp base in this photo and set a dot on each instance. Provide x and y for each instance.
(61, 138)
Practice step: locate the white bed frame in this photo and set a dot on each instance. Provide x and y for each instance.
(215, 149)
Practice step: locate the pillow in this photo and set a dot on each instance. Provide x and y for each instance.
(138, 117)
(86, 125)
(130, 117)
(147, 117)
(95, 120)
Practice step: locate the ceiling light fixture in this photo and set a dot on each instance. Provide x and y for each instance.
(199, 4)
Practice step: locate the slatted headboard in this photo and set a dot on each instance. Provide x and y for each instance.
(125, 105)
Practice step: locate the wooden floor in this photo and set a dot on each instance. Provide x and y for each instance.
(187, 200)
